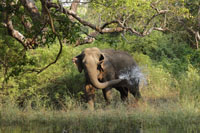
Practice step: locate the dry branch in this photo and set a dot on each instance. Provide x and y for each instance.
(14, 33)
(74, 1)
(120, 25)
(57, 35)
(102, 29)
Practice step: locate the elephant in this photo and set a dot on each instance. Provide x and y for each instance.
(102, 70)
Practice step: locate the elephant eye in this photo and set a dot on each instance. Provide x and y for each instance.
(101, 57)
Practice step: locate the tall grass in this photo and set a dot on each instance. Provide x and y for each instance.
(119, 118)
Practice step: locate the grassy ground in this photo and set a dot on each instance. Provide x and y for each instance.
(154, 111)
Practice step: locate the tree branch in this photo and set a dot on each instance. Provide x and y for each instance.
(74, 7)
(74, 15)
(197, 39)
(14, 33)
(159, 12)
(198, 18)
(27, 24)
(57, 35)
(108, 23)
(82, 2)
(102, 29)
(26, 42)
(191, 31)
(32, 9)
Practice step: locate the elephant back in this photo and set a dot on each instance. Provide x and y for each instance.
(120, 60)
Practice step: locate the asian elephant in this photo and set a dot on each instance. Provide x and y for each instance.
(102, 71)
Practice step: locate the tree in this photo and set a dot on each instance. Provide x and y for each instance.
(38, 22)
(32, 24)
(192, 23)
(34, 21)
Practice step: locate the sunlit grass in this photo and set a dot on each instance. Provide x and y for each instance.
(147, 113)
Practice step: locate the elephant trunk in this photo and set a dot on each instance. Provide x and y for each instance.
(91, 68)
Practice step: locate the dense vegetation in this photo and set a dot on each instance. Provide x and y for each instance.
(169, 59)
(171, 70)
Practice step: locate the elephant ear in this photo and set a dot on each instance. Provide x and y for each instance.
(101, 62)
(78, 61)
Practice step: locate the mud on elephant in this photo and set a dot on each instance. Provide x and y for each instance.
(102, 71)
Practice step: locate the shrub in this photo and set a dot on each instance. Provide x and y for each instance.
(190, 85)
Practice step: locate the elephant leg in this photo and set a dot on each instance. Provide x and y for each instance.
(90, 95)
(123, 92)
(107, 94)
(134, 90)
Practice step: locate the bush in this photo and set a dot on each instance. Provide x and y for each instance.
(190, 85)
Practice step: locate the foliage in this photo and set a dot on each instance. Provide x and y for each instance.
(190, 85)
(52, 87)
(13, 59)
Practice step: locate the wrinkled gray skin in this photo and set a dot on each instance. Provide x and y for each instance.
(102, 69)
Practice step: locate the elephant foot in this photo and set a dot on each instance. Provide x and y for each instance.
(91, 105)
(133, 105)
(90, 96)
(136, 103)
(108, 102)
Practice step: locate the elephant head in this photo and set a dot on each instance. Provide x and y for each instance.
(89, 60)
